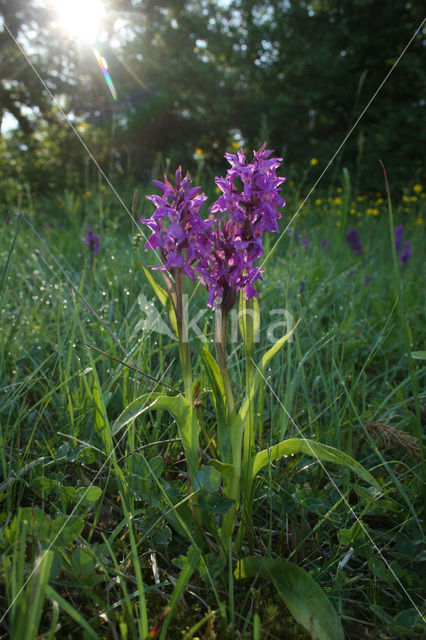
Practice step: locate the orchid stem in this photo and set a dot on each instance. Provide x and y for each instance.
(220, 345)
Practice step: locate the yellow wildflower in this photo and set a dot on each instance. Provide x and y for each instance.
(339, 189)
(337, 200)
(361, 198)
(352, 211)
(406, 198)
(318, 201)
(417, 188)
(313, 162)
(235, 144)
(198, 152)
(372, 211)
(419, 221)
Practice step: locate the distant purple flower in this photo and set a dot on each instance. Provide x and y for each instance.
(398, 233)
(353, 239)
(92, 241)
(7, 220)
(367, 280)
(301, 286)
(306, 243)
(406, 253)
(178, 230)
(325, 244)
(246, 209)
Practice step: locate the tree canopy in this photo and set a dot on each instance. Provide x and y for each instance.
(200, 74)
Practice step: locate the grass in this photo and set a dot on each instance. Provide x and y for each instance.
(111, 511)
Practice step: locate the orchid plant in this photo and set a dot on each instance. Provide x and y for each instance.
(221, 253)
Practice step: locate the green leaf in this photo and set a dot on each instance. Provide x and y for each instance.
(163, 297)
(214, 371)
(180, 409)
(305, 599)
(81, 495)
(260, 372)
(43, 484)
(418, 355)
(31, 601)
(322, 452)
(89, 495)
(83, 562)
(216, 382)
(223, 468)
(354, 536)
(207, 479)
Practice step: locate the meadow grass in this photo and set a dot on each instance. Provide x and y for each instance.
(95, 540)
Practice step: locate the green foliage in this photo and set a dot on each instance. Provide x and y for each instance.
(124, 552)
(306, 601)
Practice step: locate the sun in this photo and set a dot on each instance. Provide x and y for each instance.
(82, 19)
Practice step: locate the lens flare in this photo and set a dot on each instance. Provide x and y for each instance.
(80, 18)
(104, 68)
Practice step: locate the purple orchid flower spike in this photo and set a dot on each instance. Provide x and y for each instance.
(92, 241)
(246, 209)
(353, 239)
(178, 229)
(406, 253)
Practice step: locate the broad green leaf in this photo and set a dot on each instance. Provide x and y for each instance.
(321, 452)
(180, 409)
(215, 380)
(163, 297)
(418, 355)
(214, 370)
(260, 372)
(305, 599)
